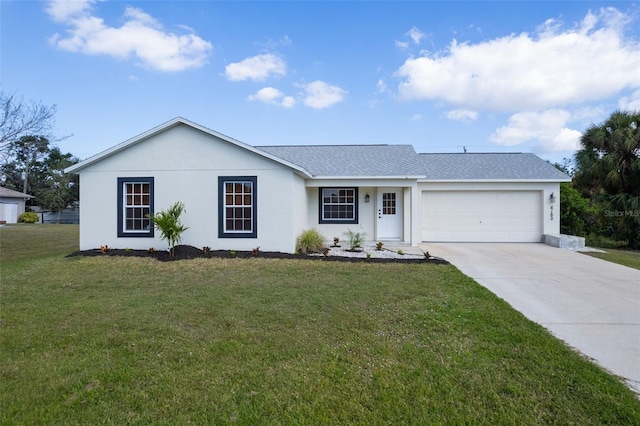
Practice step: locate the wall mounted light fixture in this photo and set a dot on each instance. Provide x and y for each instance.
(367, 198)
(552, 198)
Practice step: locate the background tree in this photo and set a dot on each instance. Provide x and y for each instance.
(26, 154)
(57, 190)
(19, 118)
(43, 167)
(608, 171)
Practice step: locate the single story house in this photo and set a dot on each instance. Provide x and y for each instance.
(12, 204)
(238, 196)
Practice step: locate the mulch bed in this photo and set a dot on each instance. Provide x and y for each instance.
(183, 252)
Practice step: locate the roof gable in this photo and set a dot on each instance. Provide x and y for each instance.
(168, 125)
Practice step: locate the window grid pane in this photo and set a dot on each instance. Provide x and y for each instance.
(338, 204)
(137, 196)
(238, 206)
(389, 203)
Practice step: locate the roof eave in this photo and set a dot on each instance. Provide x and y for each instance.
(494, 180)
(363, 177)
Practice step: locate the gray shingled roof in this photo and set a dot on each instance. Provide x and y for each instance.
(490, 166)
(402, 160)
(350, 160)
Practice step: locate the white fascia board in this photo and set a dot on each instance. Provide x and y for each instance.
(386, 181)
(493, 180)
(179, 120)
(401, 177)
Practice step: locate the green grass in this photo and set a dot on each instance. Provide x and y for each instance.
(109, 340)
(34, 241)
(630, 258)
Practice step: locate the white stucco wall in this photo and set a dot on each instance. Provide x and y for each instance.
(185, 164)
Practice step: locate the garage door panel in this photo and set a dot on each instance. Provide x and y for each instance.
(482, 216)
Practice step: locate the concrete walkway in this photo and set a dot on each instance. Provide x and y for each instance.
(591, 304)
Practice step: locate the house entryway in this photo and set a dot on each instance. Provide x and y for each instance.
(389, 214)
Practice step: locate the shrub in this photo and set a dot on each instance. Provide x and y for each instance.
(169, 225)
(379, 245)
(310, 241)
(355, 239)
(596, 240)
(28, 217)
(577, 215)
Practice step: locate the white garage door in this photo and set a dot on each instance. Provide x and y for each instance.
(9, 212)
(482, 216)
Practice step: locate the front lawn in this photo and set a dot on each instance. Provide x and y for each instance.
(116, 340)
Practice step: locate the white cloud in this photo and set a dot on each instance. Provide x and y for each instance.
(464, 115)
(257, 68)
(381, 86)
(286, 41)
(141, 36)
(631, 102)
(273, 96)
(62, 10)
(319, 94)
(547, 130)
(551, 68)
(402, 45)
(416, 35)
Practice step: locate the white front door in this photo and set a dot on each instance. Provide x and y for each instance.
(389, 214)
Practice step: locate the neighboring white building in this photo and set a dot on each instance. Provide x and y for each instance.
(12, 204)
(238, 196)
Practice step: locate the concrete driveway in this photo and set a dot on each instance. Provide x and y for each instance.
(591, 304)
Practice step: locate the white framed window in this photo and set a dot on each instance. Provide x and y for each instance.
(338, 205)
(135, 205)
(237, 206)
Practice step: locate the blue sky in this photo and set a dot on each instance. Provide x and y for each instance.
(489, 76)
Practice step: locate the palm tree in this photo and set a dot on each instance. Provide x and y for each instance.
(169, 224)
(609, 168)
